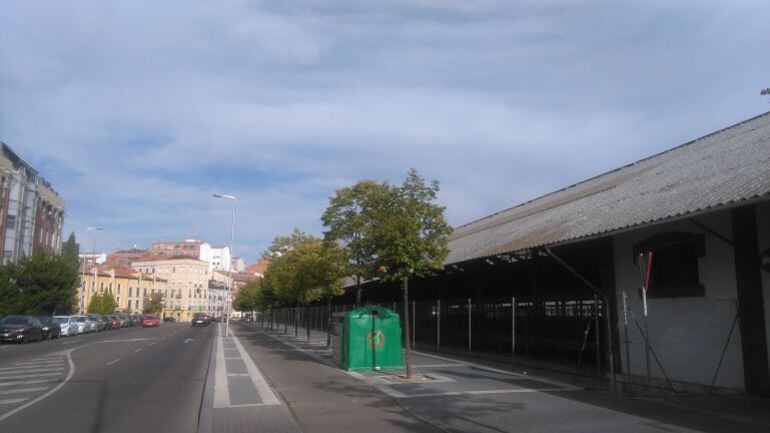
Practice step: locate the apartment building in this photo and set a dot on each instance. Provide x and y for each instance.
(130, 288)
(31, 211)
(187, 290)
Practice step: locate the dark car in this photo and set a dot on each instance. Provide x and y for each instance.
(169, 319)
(21, 329)
(50, 327)
(201, 319)
(112, 322)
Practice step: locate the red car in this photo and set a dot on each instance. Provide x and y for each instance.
(113, 322)
(149, 321)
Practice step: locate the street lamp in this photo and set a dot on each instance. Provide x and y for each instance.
(85, 249)
(228, 298)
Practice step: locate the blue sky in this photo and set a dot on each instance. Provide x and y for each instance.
(137, 111)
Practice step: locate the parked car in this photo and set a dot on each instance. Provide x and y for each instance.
(123, 319)
(135, 318)
(201, 319)
(68, 326)
(112, 322)
(82, 325)
(50, 327)
(21, 329)
(97, 324)
(150, 321)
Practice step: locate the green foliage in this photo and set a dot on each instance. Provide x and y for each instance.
(42, 284)
(407, 231)
(310, 270)
(283, 244)
(95, 304)
(249, 297)
(153, 304)
(102, 303)
(70, 250)
(348, 221)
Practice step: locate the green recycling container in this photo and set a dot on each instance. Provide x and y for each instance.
(367, 338)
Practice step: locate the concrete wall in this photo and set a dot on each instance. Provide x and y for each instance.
(763, 232)
(687, 334)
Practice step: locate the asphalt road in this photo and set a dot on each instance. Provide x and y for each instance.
(129, 380)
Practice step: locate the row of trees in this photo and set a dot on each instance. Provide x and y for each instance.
(41, 284)
(375, 231)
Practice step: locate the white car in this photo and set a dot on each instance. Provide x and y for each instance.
(83, 325)
(68, 325)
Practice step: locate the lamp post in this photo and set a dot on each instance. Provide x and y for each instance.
(228, 297)
(85, 249)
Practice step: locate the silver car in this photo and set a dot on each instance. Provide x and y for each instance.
(68, 325)
(83, 326)
(98, 323)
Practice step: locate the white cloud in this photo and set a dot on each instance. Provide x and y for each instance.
(137, 111)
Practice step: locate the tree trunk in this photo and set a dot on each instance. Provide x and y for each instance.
(408, 351)
(307, 321)
(296, 320)
(329, 321)
(358, 291)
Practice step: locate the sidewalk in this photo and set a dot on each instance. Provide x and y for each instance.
(322, 398)
(468, 397)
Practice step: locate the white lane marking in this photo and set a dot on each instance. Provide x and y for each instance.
(237, 357)
(263, 389)
(32, 370)
(30, 367)
(113, 361)
(41, 361)
(138, 350)
(153, 343)
(13, 400)
(25, 376)
(22, 390)
(237, 374)
(56, 388)
(187, 340)
(39, 364)
(124, 341)
(25, 382)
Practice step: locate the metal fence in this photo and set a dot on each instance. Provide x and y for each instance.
(563, 330)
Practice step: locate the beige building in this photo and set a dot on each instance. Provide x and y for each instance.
(130, 288)
(187, 290)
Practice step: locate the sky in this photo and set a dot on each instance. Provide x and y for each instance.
(137, 111)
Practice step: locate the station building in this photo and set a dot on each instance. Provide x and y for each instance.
(557, 281)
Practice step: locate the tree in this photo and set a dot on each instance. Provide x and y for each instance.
(154, 304)
(70, 250)
(41, 284)
(347, 223)
(283, 244)
(408, 234)
(95, 304)
(108, 303)
(306, 270)
(102, 303)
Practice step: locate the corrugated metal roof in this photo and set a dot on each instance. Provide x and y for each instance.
(714, 171)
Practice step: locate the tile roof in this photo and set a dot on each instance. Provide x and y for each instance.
(716, 171)
(259, 267)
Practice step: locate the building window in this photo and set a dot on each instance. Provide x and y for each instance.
(129, 305)
(101, 287)
(117, 302)
(118, 288)
(130, 291)
(674, 272)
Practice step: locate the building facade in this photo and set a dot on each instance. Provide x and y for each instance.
(31, 212)
(130, 288)
(187, 291)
